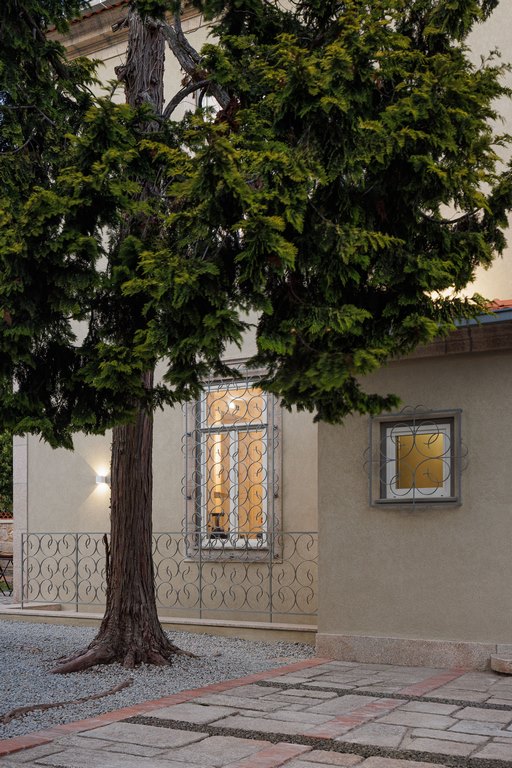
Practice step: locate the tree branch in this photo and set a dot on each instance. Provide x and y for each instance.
(183, 40)
(16, 151)
(451, 222)
(186, 61)
(189, 60)
(58, 64)
(178, 98)
(27, 106)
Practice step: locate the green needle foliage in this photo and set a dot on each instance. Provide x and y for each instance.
(5, 474)
(86, 231)
(347, 193)
(354, 181)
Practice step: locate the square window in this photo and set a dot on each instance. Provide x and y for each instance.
(419, 458)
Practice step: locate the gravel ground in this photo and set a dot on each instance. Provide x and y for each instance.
(28, 653)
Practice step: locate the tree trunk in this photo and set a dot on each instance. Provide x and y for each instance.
(143, 73)
(130, 632)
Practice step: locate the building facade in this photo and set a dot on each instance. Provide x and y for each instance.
(412, 509)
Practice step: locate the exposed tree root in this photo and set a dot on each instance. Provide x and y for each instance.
(104, 653)
(22, 711)
(82, 660)
(180, 652)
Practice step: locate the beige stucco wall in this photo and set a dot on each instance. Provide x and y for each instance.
(437, 572)
(64, 496)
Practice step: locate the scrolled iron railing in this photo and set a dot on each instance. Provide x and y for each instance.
(194, 578)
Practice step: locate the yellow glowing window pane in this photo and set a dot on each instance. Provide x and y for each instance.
(218, 483)
(251, 483)
(235, 406)
(235, 462)
(420, 461)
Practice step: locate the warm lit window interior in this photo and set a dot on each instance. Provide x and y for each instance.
(234, 464)
(418, 460)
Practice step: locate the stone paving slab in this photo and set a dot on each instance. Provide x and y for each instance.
(459, 695)
(239, 702)
(305, 763)
(333, 758)
(263, 725)
(465, 738)
(342, 704)
(377, 734)
(299, 717)
(83, 742)
(297, 702)
(272, 757)
(297, 692)
(495, 751)
(293, 707)
(144, 735)
(82, 758)
(383, 689)
(31, 755)
(429, 708)
(318, 684)
(250, 692)
(485, 715)
(193, 713)
(217, 751)
(479, 728)
(438, 746)
(387, 762)
(418, 719)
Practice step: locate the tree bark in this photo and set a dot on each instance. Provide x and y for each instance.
(143, 73)
(130, 632)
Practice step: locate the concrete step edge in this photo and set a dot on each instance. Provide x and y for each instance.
(501, 663)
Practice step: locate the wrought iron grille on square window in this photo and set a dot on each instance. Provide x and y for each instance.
(231, 449)
(415, 457)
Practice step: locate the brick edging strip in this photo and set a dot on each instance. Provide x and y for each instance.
(273, 756)
(46, 736)
(338, 726)
(431, 683)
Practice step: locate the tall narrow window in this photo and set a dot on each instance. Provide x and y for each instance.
(234, 460)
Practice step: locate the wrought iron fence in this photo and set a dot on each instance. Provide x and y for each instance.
(194, 578)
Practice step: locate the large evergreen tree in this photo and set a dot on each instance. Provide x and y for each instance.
(346, 189)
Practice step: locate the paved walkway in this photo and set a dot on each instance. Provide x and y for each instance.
(307, 715)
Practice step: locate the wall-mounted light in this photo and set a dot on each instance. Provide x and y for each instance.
(102, 479)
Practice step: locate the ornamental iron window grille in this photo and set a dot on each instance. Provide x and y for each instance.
(415, 456)
(232, 476)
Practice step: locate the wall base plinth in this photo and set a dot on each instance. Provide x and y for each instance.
(412, 652)
(247, 630)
